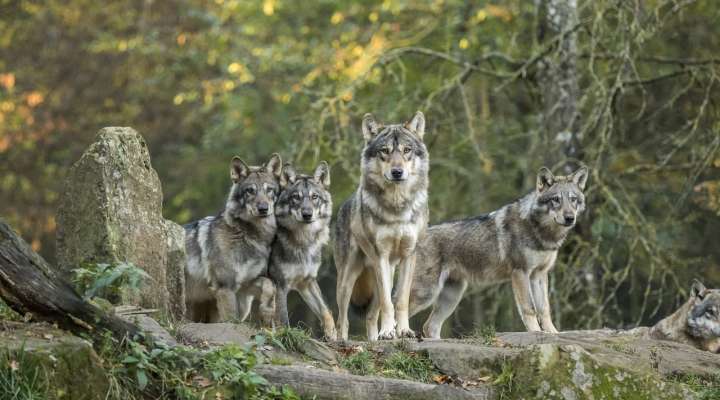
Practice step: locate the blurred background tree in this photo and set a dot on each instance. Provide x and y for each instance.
(627, 87)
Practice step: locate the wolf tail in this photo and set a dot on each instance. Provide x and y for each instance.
(363, 291)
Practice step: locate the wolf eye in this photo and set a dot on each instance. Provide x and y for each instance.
(250, 190)
(315, 196)
(385, 150)
(407, 150)
(296, 196)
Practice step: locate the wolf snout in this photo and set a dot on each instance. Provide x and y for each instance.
(569, 220)
(307, 215)
(397, 173)
(263, 209)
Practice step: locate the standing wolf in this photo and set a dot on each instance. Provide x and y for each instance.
(519, 242)
(228, 253)
(303, 214)
(379, 226)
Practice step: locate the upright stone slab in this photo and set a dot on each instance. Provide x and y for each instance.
(111, 211)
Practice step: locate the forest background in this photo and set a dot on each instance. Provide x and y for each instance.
(628, 87)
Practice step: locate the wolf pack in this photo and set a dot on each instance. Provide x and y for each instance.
(269, 238)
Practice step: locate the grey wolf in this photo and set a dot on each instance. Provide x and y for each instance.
(518, 242)
(227, 254)
(379, 226)
(303, 212)
(697, 322)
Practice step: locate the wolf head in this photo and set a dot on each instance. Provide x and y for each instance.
(304, 199)
(254, 189)
(560, 199)
(394, 154)
(704, 319)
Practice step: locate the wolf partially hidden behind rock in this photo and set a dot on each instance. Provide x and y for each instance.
(228, 254)
(696, 323)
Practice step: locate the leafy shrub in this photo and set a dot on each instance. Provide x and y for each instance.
(108, 280)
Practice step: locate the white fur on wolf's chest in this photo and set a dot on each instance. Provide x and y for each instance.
(539, 258)
(396, 240)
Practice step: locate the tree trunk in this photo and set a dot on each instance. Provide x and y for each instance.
(558, 81)
(29, 285)
(321, 384)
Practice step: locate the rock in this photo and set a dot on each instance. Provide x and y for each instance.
(628, 349)
(147, 325)
(111, 211)
(66, 365)
(216, 334)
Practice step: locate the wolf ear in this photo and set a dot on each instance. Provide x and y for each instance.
(580, 177)
(417, 124)
(274, 165)
(370, 127)
(288, 176)
(545, 179)
(697, 290)
(322, 174)
(238, 169)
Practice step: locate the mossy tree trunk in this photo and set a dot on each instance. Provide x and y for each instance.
(29, 285)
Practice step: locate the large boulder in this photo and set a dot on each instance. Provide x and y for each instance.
(49, 363)
(111, 211)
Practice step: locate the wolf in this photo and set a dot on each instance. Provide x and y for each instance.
(227, 254)
(303, 213)
(518, 242)
(697, 322)
(379, 226)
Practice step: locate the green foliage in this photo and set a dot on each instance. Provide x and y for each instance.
(289, 339)
(186, 373)
(399, 364)
(21, 378)
(108, 280)
(7, 313)
(359, 363)
(704, 388)
(505, 381)
(486, 334)
(408, 365)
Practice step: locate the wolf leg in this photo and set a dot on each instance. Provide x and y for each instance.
(347, 275)
(265, 293)
(281, 305)
(313, 297)
(384, 281)
(226, 305)
(539, 283)
(402, 299)
(446, 303)
(371, 318)
(523, 299)
(244, 305)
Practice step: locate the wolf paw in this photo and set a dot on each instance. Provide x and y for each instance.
(406, 333)
(387, 334)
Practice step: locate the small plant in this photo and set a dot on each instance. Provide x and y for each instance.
(359, 363)
(21, 378)
(705, 388)
(486, 333)
(408, 365)
(108, 280)
(505, 381)
(290, 339)
(7, 313)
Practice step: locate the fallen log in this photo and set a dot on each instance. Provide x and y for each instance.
(321, 384)
(29, 285)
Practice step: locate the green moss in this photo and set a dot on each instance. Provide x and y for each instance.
(554, 373)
